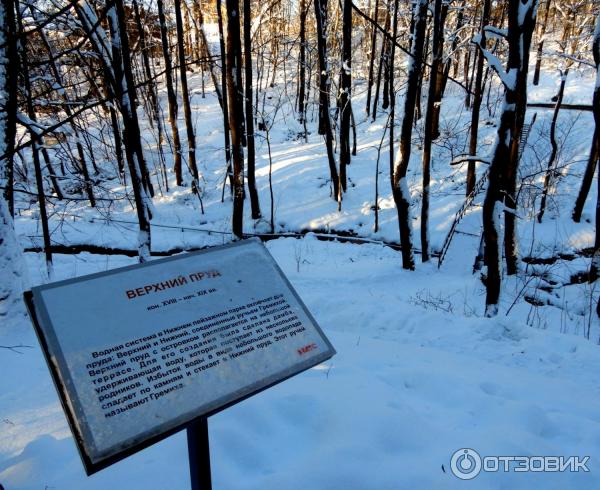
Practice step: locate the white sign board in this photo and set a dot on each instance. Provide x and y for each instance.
(139, 352)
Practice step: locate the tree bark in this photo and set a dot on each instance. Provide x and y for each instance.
(132, 137)
(435, 76)
(9, 58)
(155, 116)
(302, 65)
(540, 46)
(519, 48)
(550, 168)
(400, 190)
(345, 91)
(595, 147)
(381, 64)
(171, 97)
(11, 263)
(36, 142)
(476, 106)
(372, 57)
(324, 118)
(321, 21)
(185, 96)
(224, 89)
(251, 152)
(500, 197)
(236, 111)
(439, 68)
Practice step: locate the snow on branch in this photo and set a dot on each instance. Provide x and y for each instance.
(495, 32)
(527, 9)
(508, 78)
(469, 158)
(36, 127)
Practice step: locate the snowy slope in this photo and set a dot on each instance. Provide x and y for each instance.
(417, 376)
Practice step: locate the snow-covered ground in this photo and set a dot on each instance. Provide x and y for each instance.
(419, 373)
(417, 376)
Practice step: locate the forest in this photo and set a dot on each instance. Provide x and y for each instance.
(410, 162)
(87, 120)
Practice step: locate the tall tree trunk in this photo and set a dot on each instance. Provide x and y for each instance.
(302, 65)
(372, 56)
(324, 118)
(224, 89)
(185, 96)
(588, 176)
(321, 21)
(345, 91)
(236, 111)
(254, 204)
(439, 77)
(477, 97)
(382, 62)
(595, 266)
(132, 137)
(554, 152)
(400, 188)
(171, 97)
(205, 51)
(155, 117)
(540, 46)
(11, 262)
(9, 61)
(500, 197)
(36, 142)
(114, 121)
(522, 45)
(430, 121)
(387, 75)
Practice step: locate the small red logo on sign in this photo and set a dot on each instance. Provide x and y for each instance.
(306, 348)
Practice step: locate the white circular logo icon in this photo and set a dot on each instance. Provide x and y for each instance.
(465, 464)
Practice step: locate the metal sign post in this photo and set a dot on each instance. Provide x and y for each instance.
(199, 453)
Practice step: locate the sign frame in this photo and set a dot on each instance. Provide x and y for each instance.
(41, 322)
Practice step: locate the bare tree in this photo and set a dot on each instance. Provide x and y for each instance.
(236, 111)
(185, 96)
(251, 152)
(35, 146)
(324, 117)
(345, 91)
(11, 264)
(372, 56)
(541, 39)
(224, 89)
(477, 97)
(171, 97)
(595, 267)
(550, 168)
(501, 194)
(302, 64)
(435, 77)
(400, 188)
